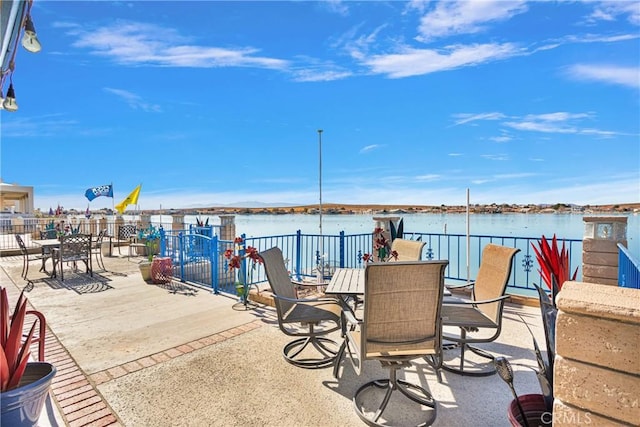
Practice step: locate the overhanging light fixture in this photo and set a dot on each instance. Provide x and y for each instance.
(30, 40)
(9, 102)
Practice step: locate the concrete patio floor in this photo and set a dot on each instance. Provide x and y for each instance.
(132, 354)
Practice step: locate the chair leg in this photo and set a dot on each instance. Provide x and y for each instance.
(413, 392)
(25, 267)
(338, 359)
(326, 351)
(482, 372)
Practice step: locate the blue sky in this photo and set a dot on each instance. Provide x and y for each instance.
(211, 103)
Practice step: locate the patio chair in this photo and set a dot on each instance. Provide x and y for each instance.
(482, 315)
(28, 257)
(96, 248)
(401, 322)
(73, 248)
(407, 250)
(309, 319)
(128, 234)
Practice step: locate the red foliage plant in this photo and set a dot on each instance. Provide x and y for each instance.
(554, 262)
(14, 353)
(381, 246)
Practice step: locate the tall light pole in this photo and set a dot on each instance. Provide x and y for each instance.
(320, 276)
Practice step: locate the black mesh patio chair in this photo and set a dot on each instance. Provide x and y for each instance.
(96, 248)
(73, 248)
(29, 257)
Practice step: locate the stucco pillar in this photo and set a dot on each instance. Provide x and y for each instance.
(227, 227)
(178, 222)
(596, 369)
(600, 248)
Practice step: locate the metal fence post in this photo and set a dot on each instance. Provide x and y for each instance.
(181, 253)
(342, 249)
(213, 261)
(298, 254)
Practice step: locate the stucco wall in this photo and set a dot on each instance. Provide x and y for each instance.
(597, 368)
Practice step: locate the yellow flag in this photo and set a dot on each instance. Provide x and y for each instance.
(131, 199)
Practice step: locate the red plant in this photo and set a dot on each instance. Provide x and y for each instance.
(235, 257)
(554, 262)
(14, 353)
(382, 247)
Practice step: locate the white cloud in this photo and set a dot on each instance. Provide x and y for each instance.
(497, 157)
(464, 17)
(369, 148)
(463, 118)
(336, 6)
(502, 138)
(133, 43)
(429, 177)
(610, 10)
(626, 76)
(320, 75)
(414, 62)
(134, 101)
(561, 122)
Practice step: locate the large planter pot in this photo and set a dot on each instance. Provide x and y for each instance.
(21, 407)
(534, 408)
(161, 270)
(145, 270)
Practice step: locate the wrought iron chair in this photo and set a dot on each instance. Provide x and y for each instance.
(401, 322)
(73, 248)
(128, 233)
(302, 317)
(28, 257)
(96, 248)
(407, 250)
(482, 315)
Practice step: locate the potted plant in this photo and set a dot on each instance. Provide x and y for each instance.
(24, 385)
(237, 261)
(151, 238)
(554, 270)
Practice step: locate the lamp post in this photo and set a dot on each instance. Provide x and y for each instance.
(320, 275)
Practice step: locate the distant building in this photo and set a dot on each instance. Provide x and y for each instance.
(16, 198)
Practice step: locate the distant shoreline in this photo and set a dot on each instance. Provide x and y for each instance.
(343, 209)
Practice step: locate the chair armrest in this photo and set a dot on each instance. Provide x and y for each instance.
(309, 285)
(303, 300)
(486, 301)
(464, 285)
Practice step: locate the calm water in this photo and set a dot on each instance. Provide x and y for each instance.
(570, 226)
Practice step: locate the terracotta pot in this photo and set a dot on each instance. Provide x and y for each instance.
(535, 411)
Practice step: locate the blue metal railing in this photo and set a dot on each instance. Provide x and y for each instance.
(628, 269)
(199, 258)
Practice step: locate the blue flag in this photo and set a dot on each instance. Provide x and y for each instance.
(103, 190)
